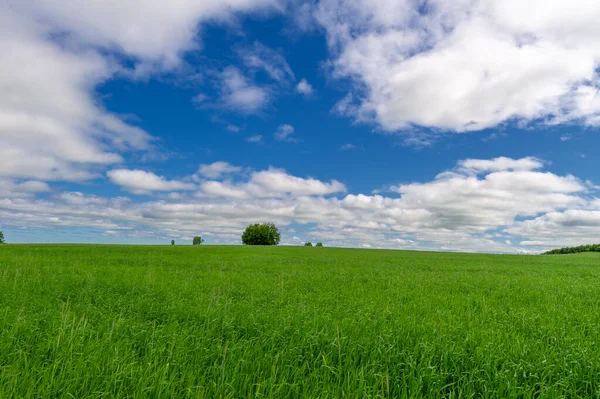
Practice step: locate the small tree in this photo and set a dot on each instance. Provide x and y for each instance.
(198, 240)
(172, 242)
(308, 244)
(1, 238)
(319, 244)
(261, 234)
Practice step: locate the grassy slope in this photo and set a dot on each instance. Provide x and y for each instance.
(113, 321)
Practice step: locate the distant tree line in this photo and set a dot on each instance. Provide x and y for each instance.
(574, 250)
(255, 234)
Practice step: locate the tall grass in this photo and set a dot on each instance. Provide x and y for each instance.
(231, 322)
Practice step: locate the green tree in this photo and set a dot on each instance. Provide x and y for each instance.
(198, 240)
(308, 244)
(172, 242)
(574, 250)
(319, 244)
(1, 238)
(261, 234)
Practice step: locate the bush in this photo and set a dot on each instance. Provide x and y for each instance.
(308, 244)
(319, 244)
(1, 238)
(172, 242)
(261, 234)
(198, 240)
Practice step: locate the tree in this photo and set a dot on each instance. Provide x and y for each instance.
(198, 240)
(172, 242)
(261, 234)
(319, 244)
(574, 250)
(308, 244)
(1, 238)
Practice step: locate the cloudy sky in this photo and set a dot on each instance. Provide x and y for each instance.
(466, 125)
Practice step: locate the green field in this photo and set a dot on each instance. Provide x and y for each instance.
(276, 322)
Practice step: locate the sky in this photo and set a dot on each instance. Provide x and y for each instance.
(453, 125)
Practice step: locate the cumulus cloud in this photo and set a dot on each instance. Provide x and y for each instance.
(558, 229)
(237, 87)
(509, 205)
(278, 181)
(143, 182)
(286, 133)
(255, 139)
(155, 31)
(28, 188)
(465, 65)
(217, 169)
(240, 94)
(500, 164)
(272, 183)
(52, 126)
(260, 57)
(305, 88)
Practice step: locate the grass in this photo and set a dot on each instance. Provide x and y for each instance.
(232, 322)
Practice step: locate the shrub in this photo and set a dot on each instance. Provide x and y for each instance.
(319, 244)
(1, 238)
(198, 240)
(261, 234)
(172, 242)
(308, 244)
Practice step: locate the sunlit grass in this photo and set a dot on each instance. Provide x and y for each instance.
(112, 321)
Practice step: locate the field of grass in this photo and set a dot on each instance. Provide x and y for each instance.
(211, 322)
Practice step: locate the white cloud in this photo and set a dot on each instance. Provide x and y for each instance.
(463, 201)
(285, 133)
(272, 183)
(465, 65)
(279, 182)
(232, 128)
(225, 190)
(305, 88)
(52, 126)
(32, 186)
(558, 229)
(260, 57)
(28, 188)
(347, 146)
(565, 137)
(200, 99)
(238, 89)
(142, 182)
(500, 164)
(506, 207)
(153, 31)
(239, 94)
(255, 139)
(217, 169)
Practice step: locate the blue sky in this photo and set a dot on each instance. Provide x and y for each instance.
(390, 123)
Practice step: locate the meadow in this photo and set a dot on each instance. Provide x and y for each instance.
(87, 321)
